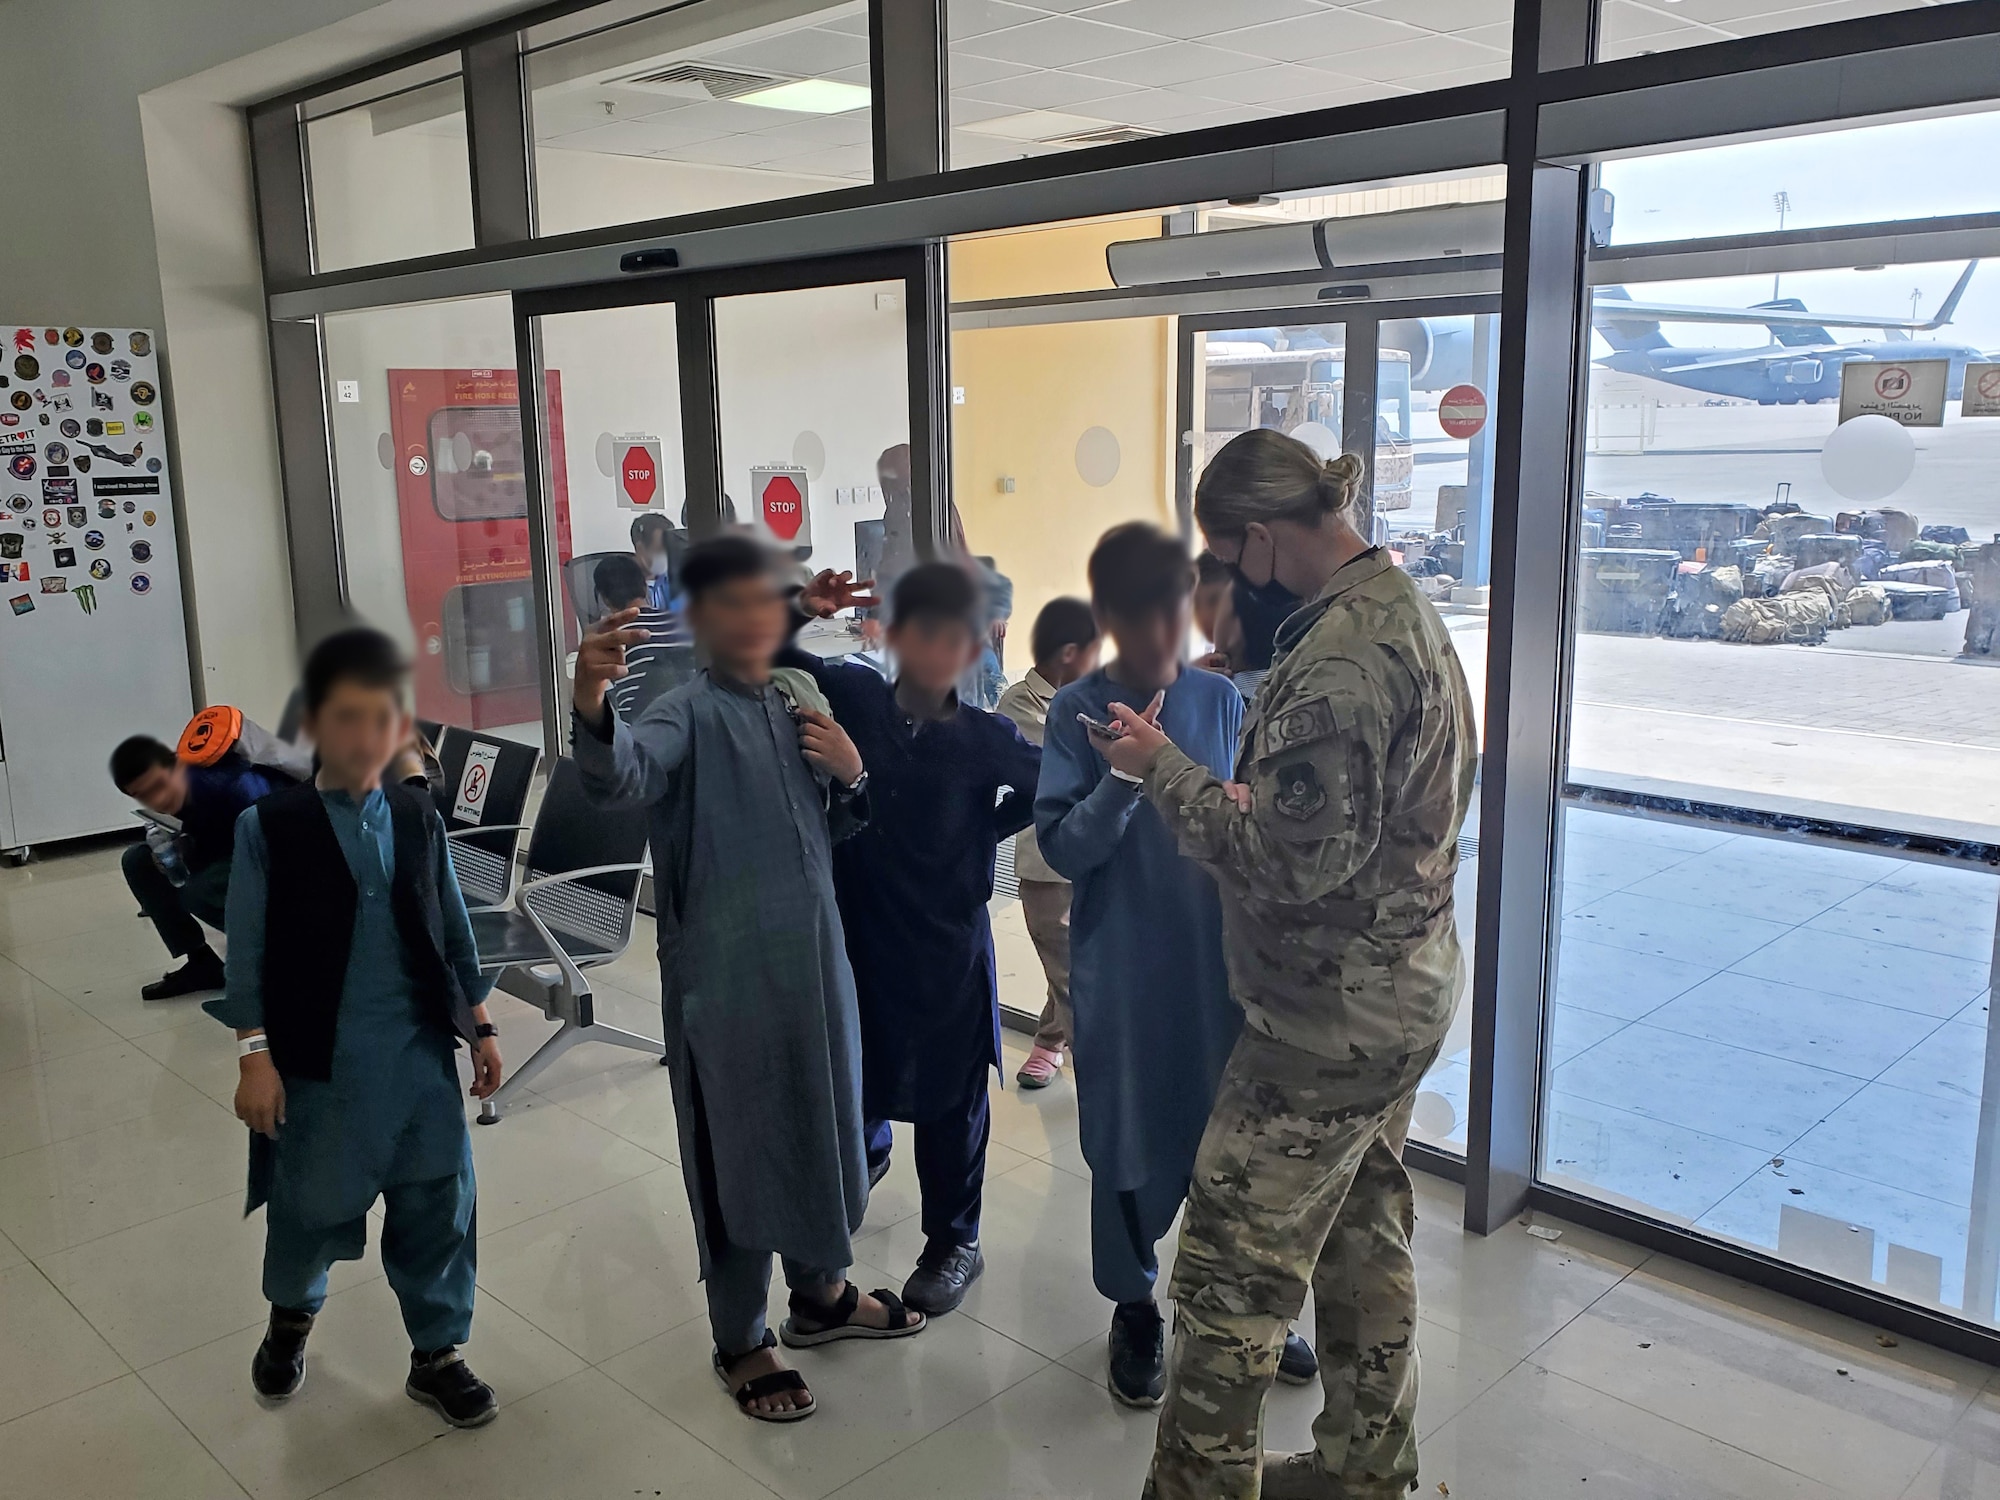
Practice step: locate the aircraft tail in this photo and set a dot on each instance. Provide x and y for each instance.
(1633, 333)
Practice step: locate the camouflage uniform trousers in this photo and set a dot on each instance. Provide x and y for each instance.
(1299, 1180)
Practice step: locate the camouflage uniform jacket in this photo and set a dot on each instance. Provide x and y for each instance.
(1360, 752)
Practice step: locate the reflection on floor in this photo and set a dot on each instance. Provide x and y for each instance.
(129, 1305)
(1775, 1042)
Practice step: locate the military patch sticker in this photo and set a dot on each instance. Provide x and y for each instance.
(1300, 796)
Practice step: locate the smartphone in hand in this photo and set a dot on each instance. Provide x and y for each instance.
(1100, 729)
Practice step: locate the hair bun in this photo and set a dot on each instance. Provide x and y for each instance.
(1339, 479)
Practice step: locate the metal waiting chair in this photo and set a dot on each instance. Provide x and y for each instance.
(485, 841)
(573, 912)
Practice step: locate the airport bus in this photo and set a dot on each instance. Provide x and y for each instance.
(1250, 384)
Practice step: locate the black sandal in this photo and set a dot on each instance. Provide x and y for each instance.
(814, 1323)
(776, 1383)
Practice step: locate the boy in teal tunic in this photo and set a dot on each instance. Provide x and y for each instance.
(352, 976)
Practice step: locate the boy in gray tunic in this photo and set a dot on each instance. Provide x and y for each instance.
(748, 782)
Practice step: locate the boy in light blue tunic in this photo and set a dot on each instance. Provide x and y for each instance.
(1154, 1020)
(352, 976)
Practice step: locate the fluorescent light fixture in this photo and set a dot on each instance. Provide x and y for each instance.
(810, 96)
(1036, 125)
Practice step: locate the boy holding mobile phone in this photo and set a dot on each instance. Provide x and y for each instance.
(1148, 986)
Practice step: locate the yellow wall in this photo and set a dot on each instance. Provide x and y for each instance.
(1030, 393)
(1037, 262)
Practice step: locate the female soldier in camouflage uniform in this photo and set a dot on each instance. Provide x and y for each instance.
(1334, 850)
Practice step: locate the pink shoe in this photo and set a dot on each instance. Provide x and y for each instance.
(1040, 1069)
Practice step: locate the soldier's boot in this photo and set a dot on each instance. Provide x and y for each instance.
(1298, 1476)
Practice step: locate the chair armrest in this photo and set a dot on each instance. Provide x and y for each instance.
(542, 882)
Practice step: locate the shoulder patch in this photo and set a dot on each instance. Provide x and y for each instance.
(1299, 795)
(1300, 724)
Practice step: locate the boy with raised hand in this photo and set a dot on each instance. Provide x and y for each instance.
(947, 783)
(1065, 644)
(351, 979)
(1149, 988)
(748, 783)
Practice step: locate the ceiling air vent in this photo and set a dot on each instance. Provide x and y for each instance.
(694, 80)
(1109, 135)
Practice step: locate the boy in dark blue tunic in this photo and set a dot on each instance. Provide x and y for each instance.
(352, 977)
(947, 783)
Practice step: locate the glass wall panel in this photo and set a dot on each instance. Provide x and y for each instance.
(1633, 28)
(700, 107)
(611, 380)
(432, 502)
(1029, 79)
(1064, 424)
(389, 176)
(1778, 612)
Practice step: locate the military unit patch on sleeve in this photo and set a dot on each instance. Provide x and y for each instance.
(1301, 725)
(1300, 795)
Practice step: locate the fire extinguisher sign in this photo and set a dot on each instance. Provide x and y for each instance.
(781, 503)
(638, 459)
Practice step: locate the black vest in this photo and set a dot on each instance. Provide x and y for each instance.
(309, 924)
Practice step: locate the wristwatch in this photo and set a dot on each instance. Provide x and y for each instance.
(854, 788)
(485, 1029)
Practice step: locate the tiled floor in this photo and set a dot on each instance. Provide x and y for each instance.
(1780, 1043)
(129, 1306)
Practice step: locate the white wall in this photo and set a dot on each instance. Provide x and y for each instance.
(143, 219)
(825, 361)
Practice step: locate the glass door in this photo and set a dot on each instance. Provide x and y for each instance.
(774, 398)
(1407, 387)
(813, 401)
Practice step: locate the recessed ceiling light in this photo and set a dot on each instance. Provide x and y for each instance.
(810, 96)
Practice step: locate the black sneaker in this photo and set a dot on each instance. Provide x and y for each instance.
(1297, 1365)
(443, 1381)
(278, 1368)
(1138, 1373)
(877, 1170)
(942, 1278)
(202, 971)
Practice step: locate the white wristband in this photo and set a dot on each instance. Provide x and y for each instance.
(1128, 776)
(245, 1045)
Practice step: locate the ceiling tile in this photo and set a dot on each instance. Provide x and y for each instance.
(737, 151)
(1175, 62)
(803, 54)
(1453, 78)
(1413, 59)
(628, 138)
(1314, 36)
(717, 116)
(1441, 15)
(967, 19)
(854, 25)
(1057, 41)
(1499, 36)
(966, 111)
(967, 71)
(1275, 85)
(1195, 19)
(849, 163)
(1620, 22)
(817, 131)
(1050, 88)
(968, 150)
(1156, 109)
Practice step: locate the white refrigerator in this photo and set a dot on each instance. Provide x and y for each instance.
(93, 644)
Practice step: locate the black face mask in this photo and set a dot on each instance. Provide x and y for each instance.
(1260, 609)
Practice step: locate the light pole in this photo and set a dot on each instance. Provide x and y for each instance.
(1782, 202)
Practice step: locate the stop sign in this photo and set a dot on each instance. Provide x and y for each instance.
(783, 506)
(639, 474)
(1462, 411)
